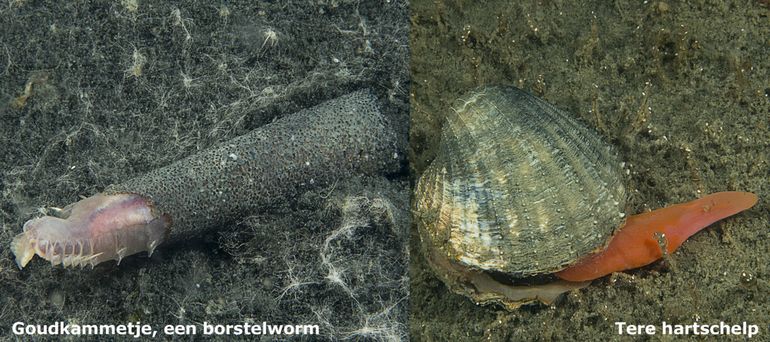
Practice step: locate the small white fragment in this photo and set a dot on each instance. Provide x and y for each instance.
(121, 253)
(151, 247)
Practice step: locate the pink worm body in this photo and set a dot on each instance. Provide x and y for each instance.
(86, 233)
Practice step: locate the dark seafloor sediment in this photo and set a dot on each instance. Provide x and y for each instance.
(97, 93)
(681, 89)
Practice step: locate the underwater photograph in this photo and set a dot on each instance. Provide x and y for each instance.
(564, 151)
(204, 170)
(384, 170)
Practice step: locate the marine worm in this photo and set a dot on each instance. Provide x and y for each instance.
(86, 235)
(341, 138)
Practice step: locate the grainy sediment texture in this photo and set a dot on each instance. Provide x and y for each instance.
(312, 148)
(680, 88)
(94, 93)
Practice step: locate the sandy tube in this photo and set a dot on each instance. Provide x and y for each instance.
(314, 147)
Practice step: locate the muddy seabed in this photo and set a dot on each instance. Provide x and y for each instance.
(680, 89)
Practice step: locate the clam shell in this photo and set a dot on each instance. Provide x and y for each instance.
(518, 186)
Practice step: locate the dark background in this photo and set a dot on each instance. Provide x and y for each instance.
(680, 88)
(97, 92)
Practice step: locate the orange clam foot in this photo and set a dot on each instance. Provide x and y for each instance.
(641, 239)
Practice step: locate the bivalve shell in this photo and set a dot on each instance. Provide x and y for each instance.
(517, 187)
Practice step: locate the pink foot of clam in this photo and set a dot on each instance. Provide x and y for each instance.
(638, 241)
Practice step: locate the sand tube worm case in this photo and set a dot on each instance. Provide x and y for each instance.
(340, 138)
